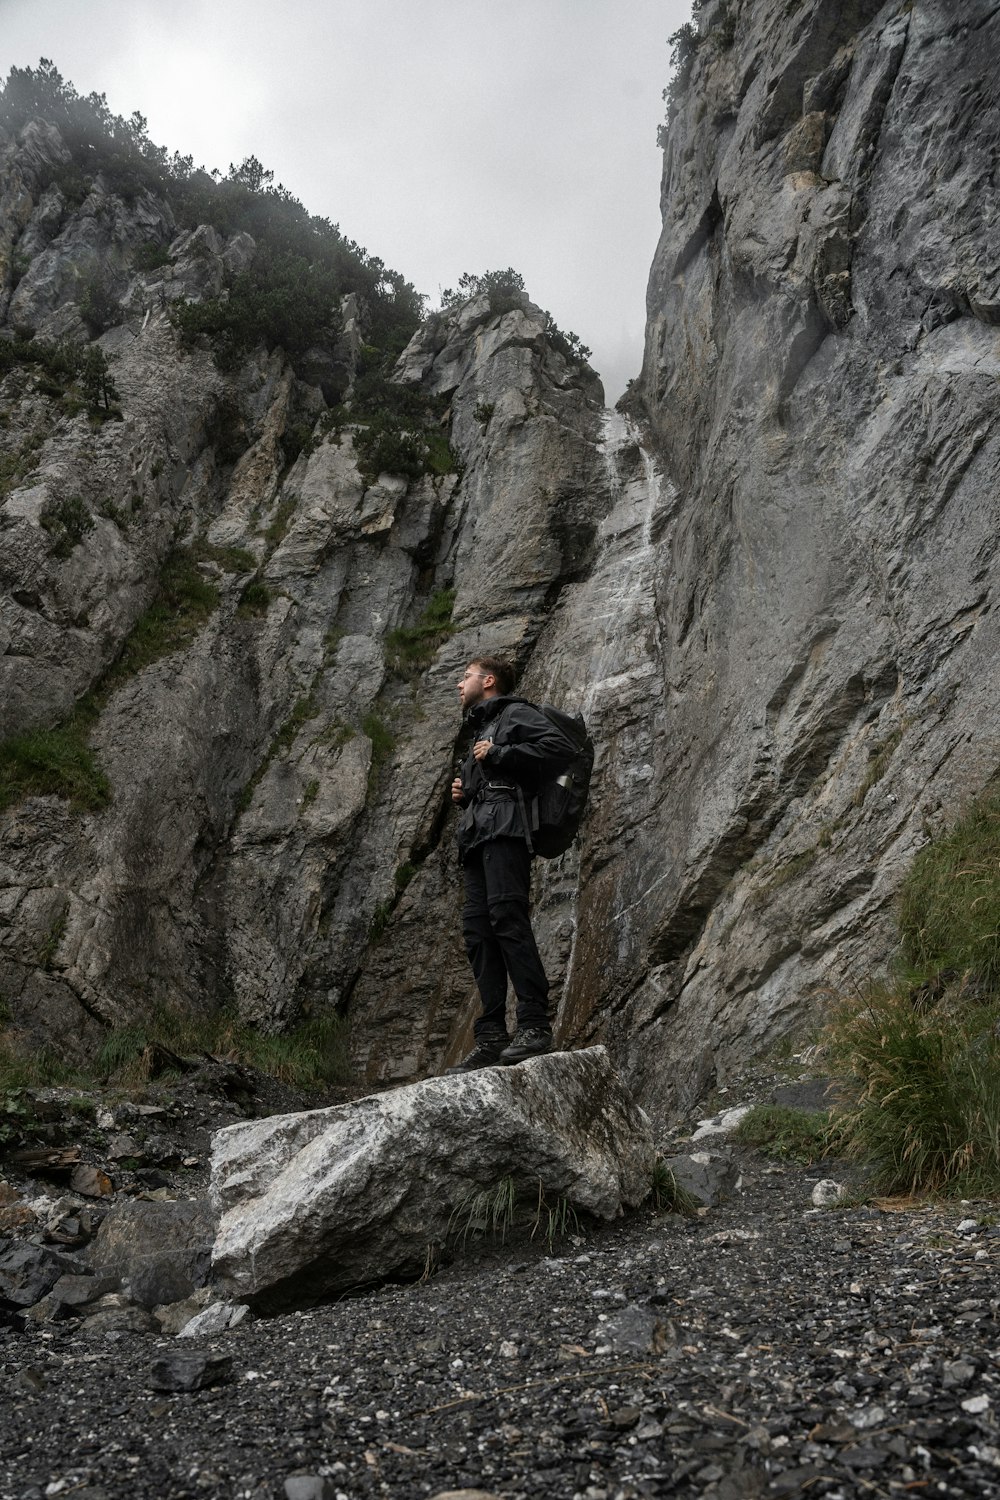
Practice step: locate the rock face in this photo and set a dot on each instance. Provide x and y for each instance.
(819, 377)
(276, 778)
(769, 585)
(320, 1202)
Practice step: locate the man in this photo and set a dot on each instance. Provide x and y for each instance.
(515, 748)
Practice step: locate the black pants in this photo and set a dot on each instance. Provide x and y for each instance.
(496, 924)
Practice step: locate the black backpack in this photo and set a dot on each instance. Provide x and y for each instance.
(558, 805)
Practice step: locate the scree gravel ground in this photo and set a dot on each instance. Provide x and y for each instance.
(763, 1349)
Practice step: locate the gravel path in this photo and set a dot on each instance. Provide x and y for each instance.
(763, 1349)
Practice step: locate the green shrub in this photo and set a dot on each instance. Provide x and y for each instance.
(99, 390)
(52, 762)
(152, 256)
(97, 302)
(949, 907)
(284, 300)
(255, 598)
(483, 412)
(410, 649)
(231, 559)
(20, 1068)
(295, 440)
(184, 601)
(67, 521)
(506, 290)
(278, 529)
(383, 743)
(508, 1205)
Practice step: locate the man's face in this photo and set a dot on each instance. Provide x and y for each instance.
(472, 688)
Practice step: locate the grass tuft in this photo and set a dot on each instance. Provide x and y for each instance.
(486, 1211)
(666, 1194)
(919, 1054)
(52, 762)
(312, 1055)
(949, 909)
(505, 1206)
(793, 1134)
(922, 1076)
(412, 648)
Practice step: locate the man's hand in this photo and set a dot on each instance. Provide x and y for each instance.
(456, 789)
(482, 748)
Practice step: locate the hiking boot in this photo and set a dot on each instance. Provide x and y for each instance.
(485, 1054)
(529, 1041)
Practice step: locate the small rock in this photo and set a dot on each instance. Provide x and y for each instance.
(172, 1316)
(466, 1495)
(637, 1330)
(707, 1177)
(957, 1372)
(216, 1318)
(866, 1417)
(308, 1487)
(976, 1405)
(190, 1370)
(46, 1310)
(127, 1319)
(90, 1181)
(967, 1226)
(827, 1192)
(122, 1146)
(508, 1349)
(15, 1216)
(79, 1291)
(28, 1271)
(8, 1194)
(811, 1094)
(153, 1178)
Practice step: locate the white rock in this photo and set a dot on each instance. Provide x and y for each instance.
(333, 1198)
(721, 1124)
(975, 1405)
(827, 1192)
(216, 1318)
(866, 1417)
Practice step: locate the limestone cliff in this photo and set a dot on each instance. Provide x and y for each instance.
(820, 379)
(278, 775)
(769, 584)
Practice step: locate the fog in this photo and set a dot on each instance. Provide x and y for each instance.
(443, 135)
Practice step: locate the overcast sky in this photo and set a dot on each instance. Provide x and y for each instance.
(443, 135)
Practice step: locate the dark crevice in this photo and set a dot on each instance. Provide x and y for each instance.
(707, 225)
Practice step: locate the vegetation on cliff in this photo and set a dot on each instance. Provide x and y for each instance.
(506, 290)
(916, 1056)
(303, 265)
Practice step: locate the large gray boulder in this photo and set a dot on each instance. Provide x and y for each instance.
(329, 1199)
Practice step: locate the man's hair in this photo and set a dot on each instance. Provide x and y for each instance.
(501, 669)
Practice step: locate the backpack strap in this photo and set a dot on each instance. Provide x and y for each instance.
(522, 806)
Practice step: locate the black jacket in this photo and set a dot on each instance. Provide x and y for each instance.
(527, 749)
